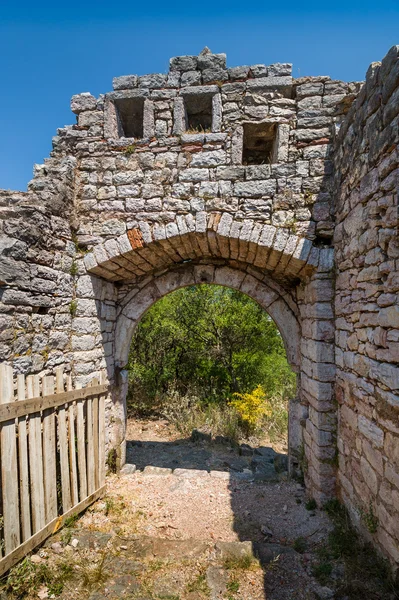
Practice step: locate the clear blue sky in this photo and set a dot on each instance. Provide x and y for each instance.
(51, 50)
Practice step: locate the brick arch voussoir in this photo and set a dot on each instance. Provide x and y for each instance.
(153, 246)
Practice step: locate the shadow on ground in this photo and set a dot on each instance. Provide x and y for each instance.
(248, 470)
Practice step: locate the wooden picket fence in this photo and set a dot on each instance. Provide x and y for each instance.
(52, 456)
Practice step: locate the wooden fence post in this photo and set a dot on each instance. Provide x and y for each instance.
(63, 441)
(9, 465)
(36, 458)
(49, 453)
(23, 464)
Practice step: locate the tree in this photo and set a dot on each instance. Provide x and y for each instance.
(209, 341)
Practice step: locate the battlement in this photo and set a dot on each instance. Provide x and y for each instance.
(200, 94)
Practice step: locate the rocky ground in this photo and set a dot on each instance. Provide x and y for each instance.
(190, 520)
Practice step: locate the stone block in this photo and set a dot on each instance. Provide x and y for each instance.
(191, 78)
(211, 61)
(371, 431)
(183, 63)
(237, 73)
(253, 189)
(82, 102)
(213, 158)
(214, 74)
(125, 82)
(154, 80)
(389, 317)
(259, 70)
(279, 70)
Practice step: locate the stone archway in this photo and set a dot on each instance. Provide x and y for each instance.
(286, 274)
(269, 295)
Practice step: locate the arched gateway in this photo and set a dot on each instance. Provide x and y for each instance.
(283, 272)
(283, 188)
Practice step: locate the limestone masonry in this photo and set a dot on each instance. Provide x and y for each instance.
(283, 188)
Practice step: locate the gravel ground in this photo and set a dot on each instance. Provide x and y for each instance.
(191, 521)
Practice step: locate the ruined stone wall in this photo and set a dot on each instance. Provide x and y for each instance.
(134, 191)
(36, 257)
(367, 305)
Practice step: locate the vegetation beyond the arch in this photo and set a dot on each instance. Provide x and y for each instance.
(198, 346)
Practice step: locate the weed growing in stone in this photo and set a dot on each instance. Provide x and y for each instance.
(369, 518)
(244, 562)
(198, 584)
(93, 573)
(311, 504)
(112, 460)
(130, 149)
(300, 545)
(27, 577)
(73, 307)
(233, 585)
(74, 269)
(366, 573)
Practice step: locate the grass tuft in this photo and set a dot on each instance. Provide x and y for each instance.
(366, 573)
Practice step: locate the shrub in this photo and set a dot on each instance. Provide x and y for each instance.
(252, 407)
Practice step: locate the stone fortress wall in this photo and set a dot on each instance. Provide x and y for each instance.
(284, 188)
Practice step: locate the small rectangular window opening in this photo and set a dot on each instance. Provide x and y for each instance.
(131, 116)
(258, 143)
(198, 113)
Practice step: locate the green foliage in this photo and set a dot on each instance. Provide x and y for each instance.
(207, 342)
(74, 269)
(27, 577)
(367, 574)
(300, 545)
(233, 586)
(130, 149)
(311, 504)
(322, 571)
(112, 460)
(199, 584)
(71, 520)
(244, 562)
(369, 518)
(73, 306)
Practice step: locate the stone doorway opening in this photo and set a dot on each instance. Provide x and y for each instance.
(209, 361)
(229, 283)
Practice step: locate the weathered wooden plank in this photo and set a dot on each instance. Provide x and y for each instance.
(96, 438)
(73, 470)
(72, 455)
(63, 445)
(11, 410)
(23, 465)
(36, 459)
(101, 435)
(81, 436)
(90, 446)
(7, 562)
(49, 452)
(9, 466)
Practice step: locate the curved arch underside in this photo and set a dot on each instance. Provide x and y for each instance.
(151, 247)
(269, 295)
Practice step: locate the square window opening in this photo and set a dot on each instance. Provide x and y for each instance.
(259, 143)
(130, 113)
(198, 113)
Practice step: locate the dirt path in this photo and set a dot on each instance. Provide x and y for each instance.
(192, 520)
